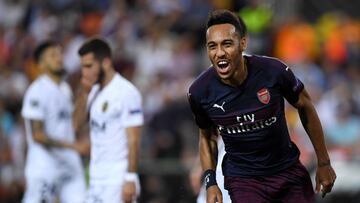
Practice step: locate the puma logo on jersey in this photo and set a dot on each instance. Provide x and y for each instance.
(220, 107)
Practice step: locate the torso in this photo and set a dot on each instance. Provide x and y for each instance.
(52, 104)
(108, 121)
(250, 119)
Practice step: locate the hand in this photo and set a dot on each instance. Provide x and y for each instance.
(129, 192)
(325, 179)
(82, 147)
(87, 83)
(87, 80)
(213, 194)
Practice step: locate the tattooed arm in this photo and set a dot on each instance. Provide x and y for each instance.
(40, 137)
(325, 175)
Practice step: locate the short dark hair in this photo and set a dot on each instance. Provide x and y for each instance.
(41, 48)
(99, 47)
(222, 16)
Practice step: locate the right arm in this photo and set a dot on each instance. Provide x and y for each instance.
(206, 149)
(39, 136)
(208, 163)
(195, 175)
(80, 115)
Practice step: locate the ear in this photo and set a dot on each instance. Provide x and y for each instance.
(106, 62)
(243, 43)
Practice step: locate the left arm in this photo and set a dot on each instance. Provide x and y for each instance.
(133, 135)
(131, 177)
(325, 175)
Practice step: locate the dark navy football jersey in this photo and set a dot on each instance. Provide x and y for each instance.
(249, 117)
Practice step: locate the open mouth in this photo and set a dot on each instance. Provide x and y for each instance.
(223, 66)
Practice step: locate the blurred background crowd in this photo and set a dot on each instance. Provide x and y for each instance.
(159, 45)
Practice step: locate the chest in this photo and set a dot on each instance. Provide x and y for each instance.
(253, 102)
(104, 111)
(59, 106)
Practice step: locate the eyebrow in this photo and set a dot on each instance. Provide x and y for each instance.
(223, 41)
(88, 65)
(211, 43)
(227, 40)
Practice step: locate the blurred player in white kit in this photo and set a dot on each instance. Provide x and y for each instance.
(53, 168)
(111, 105)
(201, 198)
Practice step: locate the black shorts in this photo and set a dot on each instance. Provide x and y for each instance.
(292, 185)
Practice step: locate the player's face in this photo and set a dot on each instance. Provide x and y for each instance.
(90, 68)
(224, 47)
(52, 59)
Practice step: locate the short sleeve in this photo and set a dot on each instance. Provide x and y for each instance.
(33, 105)
(290, 85)
(201, 118)
(133, 112)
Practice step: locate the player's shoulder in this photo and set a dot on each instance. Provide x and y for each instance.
(36, 87)
(203, 82)
(126, 87)
(268, 64)
(66, 85)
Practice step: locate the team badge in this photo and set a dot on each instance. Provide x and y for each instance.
(264, 95)
(34, 103)
(105, 106)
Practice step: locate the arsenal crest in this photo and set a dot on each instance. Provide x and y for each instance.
(264, 95)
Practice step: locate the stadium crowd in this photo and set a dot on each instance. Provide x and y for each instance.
(159, 45)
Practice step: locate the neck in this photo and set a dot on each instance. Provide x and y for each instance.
(109, 74)
(53, 77)
(240, 75)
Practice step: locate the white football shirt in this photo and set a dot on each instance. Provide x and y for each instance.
(50, 103)
(112, 109)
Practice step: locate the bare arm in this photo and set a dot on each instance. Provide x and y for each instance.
(214, 146)
(325, 175)
(40, 136)
(206, 149)
(195, 175)
(129, 188)
(133, 135)
(312, 126)
(80, 115)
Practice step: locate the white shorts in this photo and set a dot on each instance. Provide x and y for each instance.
(107, 193)
(67, 188)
